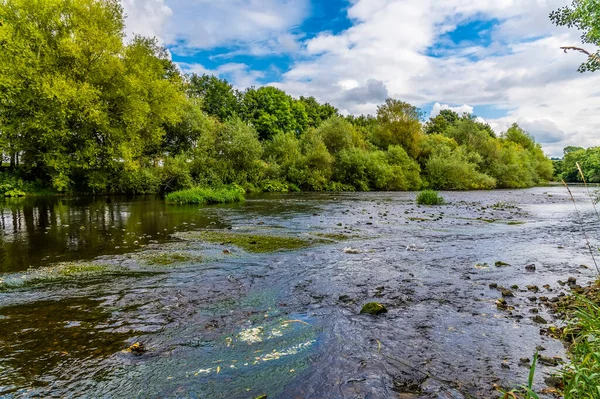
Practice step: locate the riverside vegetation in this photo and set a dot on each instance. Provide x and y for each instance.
(82, 110)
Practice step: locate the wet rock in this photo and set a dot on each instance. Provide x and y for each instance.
(547, 286)
(507, 293)
(543, 299)
(534, 311)
(539, 319)
(136, 349)
(501, 264)
(345, 299)
(514, 287)
(554, 382)
(540, 348)
(533, 288)
(373, 308)
(554, 300)
(572, 280)
(261, 397)
(530, 268)
(505, 365)
(493, 286)
(532, 298)
(550, 361)
(525, 361)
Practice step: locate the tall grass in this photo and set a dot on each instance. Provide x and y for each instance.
(429, 197)
(201, 195)
(582, 375)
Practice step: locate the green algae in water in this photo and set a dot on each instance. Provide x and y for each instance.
(56, 273)
(256, 243)
(168, 258)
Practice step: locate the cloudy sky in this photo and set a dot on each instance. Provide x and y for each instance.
(499, 59)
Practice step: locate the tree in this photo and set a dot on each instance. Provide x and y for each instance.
(74, 99)
(217, 95)
(399, 123)
(317, 113)
(585, 16)
(272, 111)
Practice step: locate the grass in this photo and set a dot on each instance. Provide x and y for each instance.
(429, 197)
(582, 375)
(254, 242)
(205, 196)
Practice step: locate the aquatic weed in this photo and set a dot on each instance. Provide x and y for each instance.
(429, 197)
(202, 195)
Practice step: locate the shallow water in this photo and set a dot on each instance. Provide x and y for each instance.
(241, 325)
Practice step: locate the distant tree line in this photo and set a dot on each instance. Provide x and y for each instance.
(81, 110)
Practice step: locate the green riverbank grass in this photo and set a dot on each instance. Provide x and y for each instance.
(206, 196)
(430, 197)
(582, 375)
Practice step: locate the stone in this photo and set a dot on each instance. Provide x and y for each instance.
(373, 308)
(530, 268)
(539, 319)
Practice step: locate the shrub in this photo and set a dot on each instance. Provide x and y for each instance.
(429, 197)
(11, 186)
(201, 195)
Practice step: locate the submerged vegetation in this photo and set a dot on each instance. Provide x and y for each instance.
(429, 197)
(257, 243)
(201, 195)
(55, 273)
(83, 110)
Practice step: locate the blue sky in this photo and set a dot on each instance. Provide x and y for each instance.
(498, 59)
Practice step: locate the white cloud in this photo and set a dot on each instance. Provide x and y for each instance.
(437, 108)
(146, 17)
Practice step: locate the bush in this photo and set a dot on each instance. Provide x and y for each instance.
(11, 186)
(456, 170)
(201, 195)
(429, 197)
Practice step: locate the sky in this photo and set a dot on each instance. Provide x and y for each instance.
(498, 59)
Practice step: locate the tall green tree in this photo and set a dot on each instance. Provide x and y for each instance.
(399, 123)
(74, 97)
(217, 95)
(272, 111)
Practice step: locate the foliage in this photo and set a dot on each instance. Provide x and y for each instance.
(583, 15)
(582, 376)
(81, 110)
(217, 96)
(429, 197)
(588, 160)
(456, 170)
(201, 195)
(399, 123)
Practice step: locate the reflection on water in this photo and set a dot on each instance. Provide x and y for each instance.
(53, 338)
(38, 231)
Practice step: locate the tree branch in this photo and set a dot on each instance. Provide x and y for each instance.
(584, 51)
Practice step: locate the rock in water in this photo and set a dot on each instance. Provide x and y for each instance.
(373, 308)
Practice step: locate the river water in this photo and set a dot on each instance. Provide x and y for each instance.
(220, 322)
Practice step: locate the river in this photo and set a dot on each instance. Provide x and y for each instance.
(86, 278)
